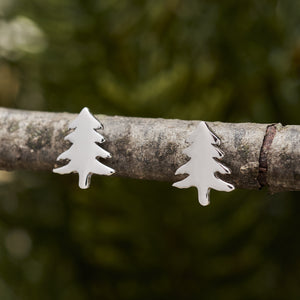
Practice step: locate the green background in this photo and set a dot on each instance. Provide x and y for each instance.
(231, 61)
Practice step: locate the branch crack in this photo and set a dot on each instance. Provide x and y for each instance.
(262, 177)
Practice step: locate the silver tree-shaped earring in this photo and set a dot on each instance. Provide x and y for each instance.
(203, 166)
(85, 149)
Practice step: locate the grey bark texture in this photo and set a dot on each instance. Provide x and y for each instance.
(257, 154)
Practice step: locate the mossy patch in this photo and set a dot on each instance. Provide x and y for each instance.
(38, 137)
(14, 126)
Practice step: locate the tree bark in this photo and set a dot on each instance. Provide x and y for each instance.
(257, 154)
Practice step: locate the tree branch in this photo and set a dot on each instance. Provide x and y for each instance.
(147, 148)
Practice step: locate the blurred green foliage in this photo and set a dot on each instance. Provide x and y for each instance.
(234, 61)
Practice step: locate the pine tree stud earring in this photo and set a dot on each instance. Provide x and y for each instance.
(85, 149)
(203, 166)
